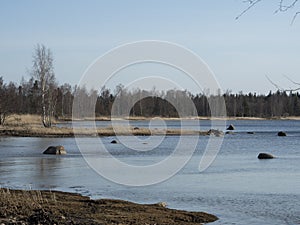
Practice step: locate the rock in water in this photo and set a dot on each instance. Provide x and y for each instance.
(215, 132)
(114, 142)
(230, 127)
(265, 156)
(281, 134)
(55, 150)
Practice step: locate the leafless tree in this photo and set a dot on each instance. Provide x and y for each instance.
(43, 72)
(283, 6)
(3, 102)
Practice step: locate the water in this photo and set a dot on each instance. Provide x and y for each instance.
(241, 125)
(237, 187)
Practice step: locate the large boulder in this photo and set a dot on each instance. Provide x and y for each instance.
(281, 134)
(230, 127)
(265, 156)
(55, 150)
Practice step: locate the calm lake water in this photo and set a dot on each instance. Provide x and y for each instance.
(237, 187)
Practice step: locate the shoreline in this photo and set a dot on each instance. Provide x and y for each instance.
(55, 207)
(30, 126)
(61, 120)
(38, 131)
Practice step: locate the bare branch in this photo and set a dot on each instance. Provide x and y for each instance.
(252, 4)
(274, 84)
(292, 89)
(282, 89)
(291, 80)
(282, 7)
(294, 18)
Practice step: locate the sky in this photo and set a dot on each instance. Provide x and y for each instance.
(241, 53)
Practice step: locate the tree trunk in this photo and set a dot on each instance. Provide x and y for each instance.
(44, 116)
(2, 118)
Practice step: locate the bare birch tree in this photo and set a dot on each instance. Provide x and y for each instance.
(3, 102)
(43, 72)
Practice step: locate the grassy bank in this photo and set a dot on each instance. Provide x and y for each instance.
(30, 119)
(30, 126)
(52, 207)
(38, 131)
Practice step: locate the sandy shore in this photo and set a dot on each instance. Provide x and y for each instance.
(53, 207)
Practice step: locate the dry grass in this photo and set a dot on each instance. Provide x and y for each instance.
(98, 118)
(25, 120)
(21, 120)
(12, 202)
(46, 207)
(32, 119)
(39, 131)
(30, 126)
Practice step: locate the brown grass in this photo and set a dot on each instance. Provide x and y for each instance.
(39, 131)
(21, 120)
(25, 120)
(46, 207)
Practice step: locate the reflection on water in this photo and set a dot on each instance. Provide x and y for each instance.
(240, 125)
(47, 169)
(238, 188)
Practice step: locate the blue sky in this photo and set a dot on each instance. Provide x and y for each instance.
(240, 52)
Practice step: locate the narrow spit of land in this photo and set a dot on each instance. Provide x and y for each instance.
(38, 131)
(53, 207)
(30, 126)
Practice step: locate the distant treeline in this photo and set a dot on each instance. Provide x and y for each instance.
(24, 98)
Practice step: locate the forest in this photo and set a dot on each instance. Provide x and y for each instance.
(43, 95)
(25, 98)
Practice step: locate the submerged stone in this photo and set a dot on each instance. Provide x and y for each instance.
(215, 132)
(55, 150)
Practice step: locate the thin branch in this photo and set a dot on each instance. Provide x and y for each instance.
(284, 90)
(282, 7)
(294, 18)
(252, 4)
(292, 90)
(274, 84)
(291, 80)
